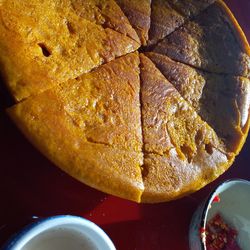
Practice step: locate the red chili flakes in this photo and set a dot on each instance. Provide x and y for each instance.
(216, 199)
(202, 230)
(220, 236)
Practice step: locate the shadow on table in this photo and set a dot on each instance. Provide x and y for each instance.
(30, 185)
(146, 235)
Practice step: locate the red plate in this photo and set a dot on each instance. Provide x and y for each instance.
(31, 186)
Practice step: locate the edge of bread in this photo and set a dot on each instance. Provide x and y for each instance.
(240, 34)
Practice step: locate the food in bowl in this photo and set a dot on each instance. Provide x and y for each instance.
(219, 235)
(145, 112)
(222, 221)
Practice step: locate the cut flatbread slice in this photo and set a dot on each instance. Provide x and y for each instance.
(168, 15)
(84, 127)
(182, 153)
(221, 100)
(44, 43)
(213, 41)
(138, 13)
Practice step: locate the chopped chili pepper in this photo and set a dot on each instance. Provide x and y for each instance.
(216, 199)
(202, 230)
(220, 236)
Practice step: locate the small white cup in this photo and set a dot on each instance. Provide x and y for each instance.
(60, 232)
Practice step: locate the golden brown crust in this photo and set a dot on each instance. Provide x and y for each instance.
(114, 171)
(84, 127)
(216, 98)
(190, 8)
(187, 154)
(187, 80)
(168, 15)
(37, 53)
(90, 125)
(138, 13)
(169, 178)
(105, 13)
(164, 20)
(208, 42)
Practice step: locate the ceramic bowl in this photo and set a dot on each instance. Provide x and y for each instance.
(60, 232)
(234, 207)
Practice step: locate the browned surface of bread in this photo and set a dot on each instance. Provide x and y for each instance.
(143, 130)
(182, 152)
(168, 15)
(105, 13)
(210, 42)
(168, 177)
(216, 98)
(190, 8)
(85, 128)
(138, 13)
(164, 20)
(44, 43)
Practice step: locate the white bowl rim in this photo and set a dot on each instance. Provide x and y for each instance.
(210, 199)
(20, 239)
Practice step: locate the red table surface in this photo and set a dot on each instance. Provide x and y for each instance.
(31, 186)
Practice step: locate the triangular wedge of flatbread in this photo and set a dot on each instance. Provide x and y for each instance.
(182, 152)
(91, 127)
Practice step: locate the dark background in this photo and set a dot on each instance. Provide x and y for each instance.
(31, 186)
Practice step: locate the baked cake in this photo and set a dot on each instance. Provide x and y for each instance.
(148, 101)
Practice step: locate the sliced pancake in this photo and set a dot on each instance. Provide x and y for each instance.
(182, 152)
(138, 13)
(221, 100)
(85, 128)
(213, 41)
(44, 43)
(168, 15)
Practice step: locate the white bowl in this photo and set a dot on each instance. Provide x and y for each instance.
(65, 231)
(234, 206)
